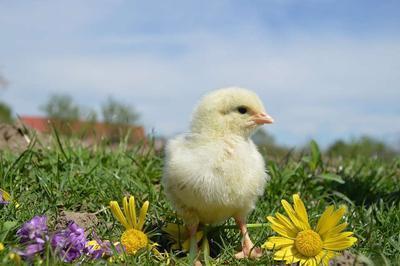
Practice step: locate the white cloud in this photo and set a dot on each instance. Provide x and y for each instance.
(316, 85)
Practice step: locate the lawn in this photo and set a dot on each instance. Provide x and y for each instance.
(69, 177)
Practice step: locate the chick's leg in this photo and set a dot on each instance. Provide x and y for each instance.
(193, 243)
(248, 249)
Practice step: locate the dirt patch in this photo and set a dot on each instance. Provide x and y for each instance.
(88, 221)
(349, 259)
(13, 138)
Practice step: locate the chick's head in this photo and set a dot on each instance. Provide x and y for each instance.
(231, 110)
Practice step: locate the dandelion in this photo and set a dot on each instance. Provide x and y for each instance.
(34, 234)
(298, 242)
(180, 236)
(70, 242)
(1, 247)
(134, 238)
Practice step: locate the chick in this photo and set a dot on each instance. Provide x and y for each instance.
(215, 171)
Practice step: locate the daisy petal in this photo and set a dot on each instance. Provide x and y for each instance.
(132, 210)
(116, 211)
(340, 245)
(324, 218)
(324, 256)
(292, 215)
(300, 210)
(126, 211)
(286, 222)
(334, 231)
(292, 230)
(310, 262)
(283, 231)
(297, 257)
(277, 242)
(327, 257)
(338, 237)
(284, 254)
(332, 220)
(142, 215)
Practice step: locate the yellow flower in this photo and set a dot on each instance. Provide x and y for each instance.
(93, 244)
(181, 236)
(1, 247)
(6, 197)
(133, 239)
(298, 242)
(15, 258)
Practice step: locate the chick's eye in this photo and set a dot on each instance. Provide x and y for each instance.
(242, 109)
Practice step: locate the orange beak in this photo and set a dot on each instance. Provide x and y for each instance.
(262, 118)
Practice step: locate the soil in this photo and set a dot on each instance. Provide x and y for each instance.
(13, 138)
(88, 221)
(348, 259)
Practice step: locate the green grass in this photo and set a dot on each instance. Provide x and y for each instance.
(67, 176)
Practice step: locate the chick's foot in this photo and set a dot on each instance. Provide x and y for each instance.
(248, 248)
(251, 253)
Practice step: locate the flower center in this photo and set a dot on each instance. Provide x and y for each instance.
(308, 243)
(133, 240)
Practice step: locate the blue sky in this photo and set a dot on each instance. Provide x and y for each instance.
(324, 69)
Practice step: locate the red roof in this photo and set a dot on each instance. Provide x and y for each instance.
(41, 124)
(89, 129)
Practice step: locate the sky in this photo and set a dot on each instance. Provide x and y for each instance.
(324, 69)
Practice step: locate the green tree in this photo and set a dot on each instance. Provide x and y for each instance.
(268, 146)
(61, 107)
(361, 147)
(5, 113)
(115, 112)
(262, 138)
(5, 110)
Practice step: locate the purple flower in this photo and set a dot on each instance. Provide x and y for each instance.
(34, 235)
(31, 250)
(34, 230)
(70, 242)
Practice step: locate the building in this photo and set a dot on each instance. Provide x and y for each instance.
(86, 130)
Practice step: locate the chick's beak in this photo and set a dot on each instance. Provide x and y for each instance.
(262, 118)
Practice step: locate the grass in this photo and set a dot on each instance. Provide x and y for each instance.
(67, 176)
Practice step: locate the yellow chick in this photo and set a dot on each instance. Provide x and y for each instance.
(215, 171)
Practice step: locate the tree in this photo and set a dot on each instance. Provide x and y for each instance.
(115, 112)
(5, 113)
(262, 138)
(268, 146)
(5, 110)
(361, 147)
(61, 107)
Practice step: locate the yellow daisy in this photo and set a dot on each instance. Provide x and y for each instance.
(133, 239)
(298, 242)
(180, 235)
